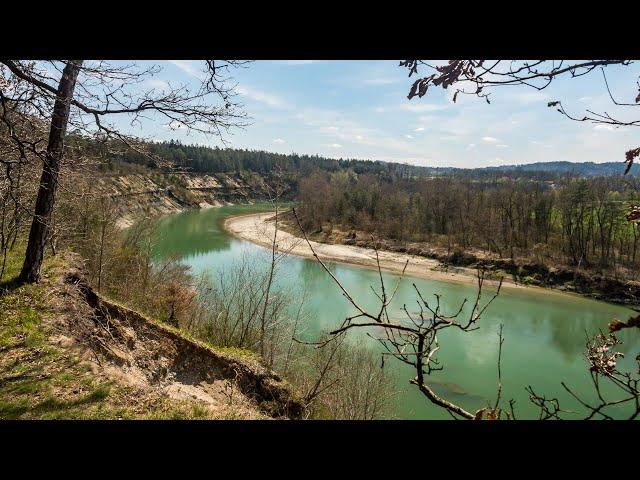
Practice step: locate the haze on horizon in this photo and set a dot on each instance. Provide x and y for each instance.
(359, 109)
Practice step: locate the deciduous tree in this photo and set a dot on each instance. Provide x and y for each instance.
(85, 95)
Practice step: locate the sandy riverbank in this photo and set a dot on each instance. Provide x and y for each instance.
(256, 229)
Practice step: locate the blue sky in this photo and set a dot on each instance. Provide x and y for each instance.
(359, 109)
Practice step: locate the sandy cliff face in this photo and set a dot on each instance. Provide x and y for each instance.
(143, 195)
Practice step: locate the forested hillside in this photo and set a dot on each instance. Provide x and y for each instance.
(587, 169)
(202, 159)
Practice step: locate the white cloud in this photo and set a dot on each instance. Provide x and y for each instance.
(379, 109)
(489, 139)
(158, 84)
(345, 131)
(502, 145)
(298, 62)
(189, 68)
(427, 118)
(334, 145)
(419, 129)
(380, 81)
(458, 125)
(278, 140)
(422, 107)
(541, 144)
(173, 125)
(409, 136)
(608, 128)
(526, 96)
(263, 97)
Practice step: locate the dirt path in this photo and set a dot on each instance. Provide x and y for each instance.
(257, 229)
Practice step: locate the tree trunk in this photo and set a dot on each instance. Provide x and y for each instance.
(50, 170)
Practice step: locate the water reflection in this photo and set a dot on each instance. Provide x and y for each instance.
(197, 232)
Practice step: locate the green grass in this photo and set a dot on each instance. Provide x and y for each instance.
(13, 265)
(20, 307)
(39, 380)
(237, 352)
(527, 280)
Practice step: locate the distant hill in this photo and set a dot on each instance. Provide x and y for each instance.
(587, 169)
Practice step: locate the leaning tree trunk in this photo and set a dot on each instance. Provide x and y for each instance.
(50, 170)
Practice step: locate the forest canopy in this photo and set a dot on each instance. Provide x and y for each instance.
(204, 159)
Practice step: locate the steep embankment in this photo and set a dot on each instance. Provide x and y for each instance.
(139, 195)
(67, 352)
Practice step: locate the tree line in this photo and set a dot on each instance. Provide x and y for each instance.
(203, 159)
(580, 221)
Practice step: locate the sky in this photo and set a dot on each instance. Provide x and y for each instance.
(359, 109)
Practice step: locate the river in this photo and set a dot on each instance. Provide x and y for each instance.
(544, 333)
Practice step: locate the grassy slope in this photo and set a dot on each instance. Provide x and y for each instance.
(41, 380)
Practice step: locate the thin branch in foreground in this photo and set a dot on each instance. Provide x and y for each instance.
(415, 343)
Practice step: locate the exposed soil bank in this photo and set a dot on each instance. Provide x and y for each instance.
(428, 264)
(157, 355)
(139, 195)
